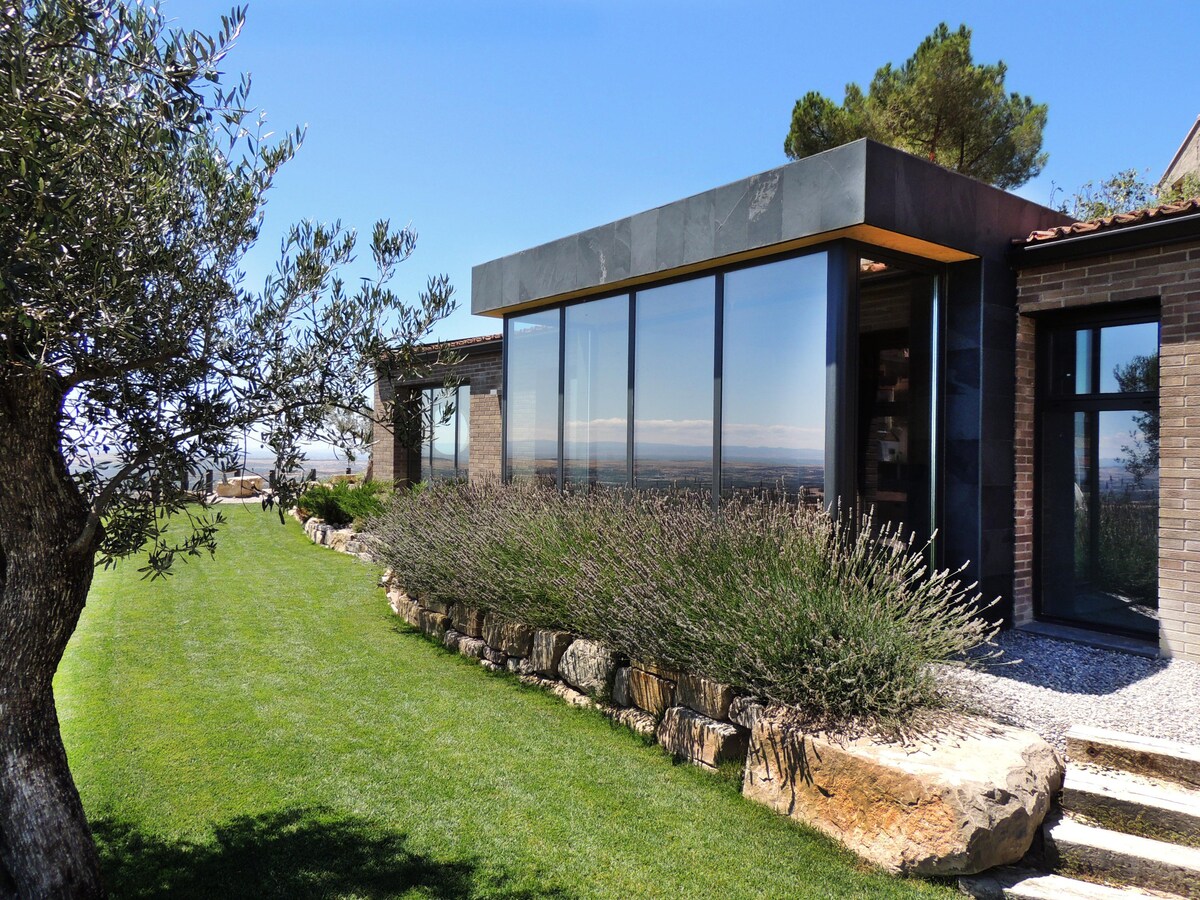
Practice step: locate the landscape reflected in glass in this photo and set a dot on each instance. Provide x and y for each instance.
(596, 393)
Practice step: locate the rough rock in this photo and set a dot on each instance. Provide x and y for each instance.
(589, 667)
(572, 696)
(745, 711)
(471, 646)
(444, 607)
(956, 802)
(706, 742)
(468, 620)
(620, 689)
(641, 722)
(386, 579)
(451, 638)
(513, 638)
(339, 539)
(649, 692)
(492, 655)
(712, 698)
(518, 665)
(491, 666)
(405, 607)
(547, 651)
(656, 668)
(435, 625)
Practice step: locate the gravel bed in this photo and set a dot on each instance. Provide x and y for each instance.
(1048, 685)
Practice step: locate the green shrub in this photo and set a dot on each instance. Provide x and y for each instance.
(839, 619)
(343, 503)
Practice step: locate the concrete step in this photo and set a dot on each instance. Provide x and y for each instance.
(1010, 883)
(1097, 854)
(1121, 801)
(1152, 757)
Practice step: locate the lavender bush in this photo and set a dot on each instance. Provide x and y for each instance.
(839, 619)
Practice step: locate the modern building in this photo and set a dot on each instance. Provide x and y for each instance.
(866, 327)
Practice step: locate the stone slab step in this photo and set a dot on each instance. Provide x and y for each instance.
(1120, 801)
(1131, 753)
(1010, 883)
(1085, 851)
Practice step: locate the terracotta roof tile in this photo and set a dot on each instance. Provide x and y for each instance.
(1112, 223)
(462, 342)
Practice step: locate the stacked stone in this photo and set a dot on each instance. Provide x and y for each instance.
(693, 718)
(344, 540)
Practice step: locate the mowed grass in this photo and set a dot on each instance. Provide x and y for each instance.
(259, 725)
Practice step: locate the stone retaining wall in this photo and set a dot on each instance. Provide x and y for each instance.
(957, 802)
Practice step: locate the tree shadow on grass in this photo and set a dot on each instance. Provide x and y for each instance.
(300, 853)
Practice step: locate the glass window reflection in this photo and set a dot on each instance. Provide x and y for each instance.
(773, 379)
(595, 393)
(673, 385)
(531, 404)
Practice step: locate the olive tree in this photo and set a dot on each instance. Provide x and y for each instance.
(132, 353)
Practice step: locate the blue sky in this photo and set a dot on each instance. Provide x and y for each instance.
(492, 127)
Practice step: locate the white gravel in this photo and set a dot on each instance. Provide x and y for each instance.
(1047, 685)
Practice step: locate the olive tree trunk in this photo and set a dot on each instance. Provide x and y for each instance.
(46, 565)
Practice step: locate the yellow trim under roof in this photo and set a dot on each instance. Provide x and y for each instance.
(867, 234)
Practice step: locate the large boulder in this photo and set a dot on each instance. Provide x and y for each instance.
(955, 802)
(589, 667)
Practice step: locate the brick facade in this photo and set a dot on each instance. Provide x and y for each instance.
(481, 368)
(1171, 275)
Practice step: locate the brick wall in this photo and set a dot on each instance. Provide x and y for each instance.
(481, 368)
(1172, 275)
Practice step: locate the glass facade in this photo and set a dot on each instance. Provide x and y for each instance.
(735, 381)
(724, 374)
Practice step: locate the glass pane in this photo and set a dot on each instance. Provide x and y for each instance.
(1082, 460)
(673, 428)
(427, 402)
(464, 429)
(1129, 358)
(1083, 361)
(596, 392)
(773, 383)
(1111, 491)
(895, 395)
(531, 356)
(441, 453)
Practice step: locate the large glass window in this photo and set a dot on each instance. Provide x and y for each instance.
(1099, 447)
(596, 393)
(773, 378)
(531, 404)
(673, 385)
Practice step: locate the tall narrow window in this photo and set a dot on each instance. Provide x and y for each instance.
(531, 401)
(595, 393)
(1098, 475)
(673, 385)
(896, 380)
(773, 378)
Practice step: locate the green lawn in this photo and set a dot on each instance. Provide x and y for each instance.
(259, 725)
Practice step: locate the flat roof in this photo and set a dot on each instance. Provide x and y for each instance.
(863, 190)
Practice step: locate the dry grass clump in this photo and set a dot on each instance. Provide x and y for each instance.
(837, 618)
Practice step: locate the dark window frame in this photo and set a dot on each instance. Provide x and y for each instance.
(1046, 399)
